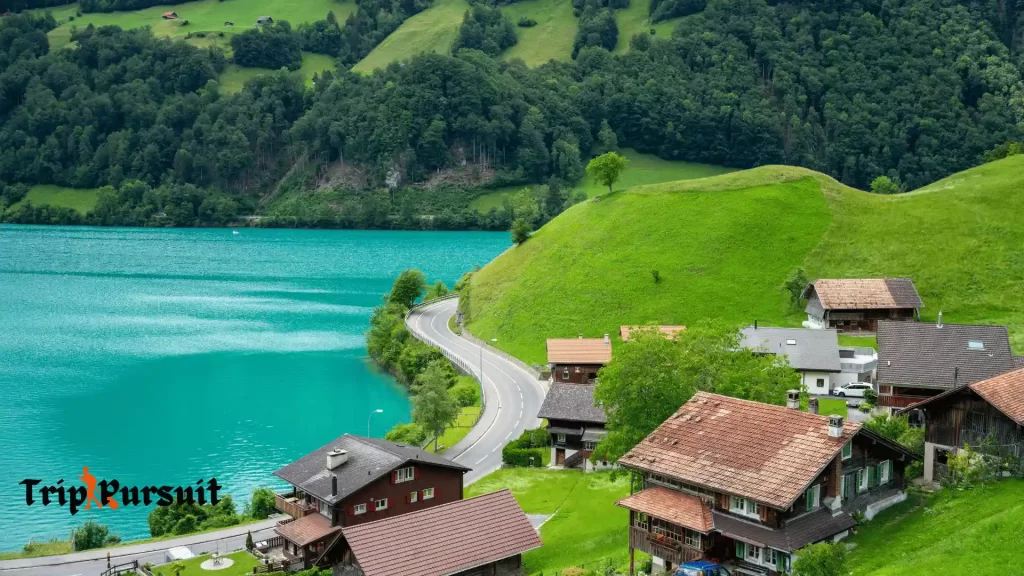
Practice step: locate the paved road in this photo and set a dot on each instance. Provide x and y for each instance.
(512, 396)
(90, 563)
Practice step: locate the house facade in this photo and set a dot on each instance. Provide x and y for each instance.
(482, 536)
(812, 353)
(354, 480)
(969, 416)
(918, 360)
(748, 484)
(576, 424)
(857, 304)
(577, 360)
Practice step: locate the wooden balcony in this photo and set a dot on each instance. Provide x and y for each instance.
(293, 506)
(898, 400)
(674, 551)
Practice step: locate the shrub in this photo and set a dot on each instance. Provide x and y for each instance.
(822, 559)
(871, 396)
(465, 394)
(525, 22)
(656, 275)
(914, 470)
(93, 535)
(412, 434)
(262, 504)
(531, 443)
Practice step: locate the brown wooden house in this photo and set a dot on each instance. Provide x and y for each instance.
(577, 360)
(967, 415)
(351, 481)
(857, 304)
(747, 484)
(576, 425)
(481, 536)
(918, 360)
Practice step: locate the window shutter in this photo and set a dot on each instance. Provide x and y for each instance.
(780, 561)
(394, 476)
(415, 473)
(351, 510)
(373, 505)
(809, 498)
(740, 549)
(890, 470)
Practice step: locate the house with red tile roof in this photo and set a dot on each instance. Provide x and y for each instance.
(748, 484)
(857, 304)
(577, 360)
(968, 415)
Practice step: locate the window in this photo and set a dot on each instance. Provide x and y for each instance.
(405, 474)
(565, 374)
(381, 504)
(848, 450)
(640, 521)
(359, 509)
(745, 507)
(975, 345)
(753, 554)
(692, 538)
(428, 493)
(413, 496)
(578, 370)
(884, 470)
(589, 445)
(561, 438)
(325, 508)
(813, 497)
(862, 480)
(821, 382)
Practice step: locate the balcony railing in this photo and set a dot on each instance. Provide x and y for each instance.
(293, 506)
(670, 549)
(898, 400)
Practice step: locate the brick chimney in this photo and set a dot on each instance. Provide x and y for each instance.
(793, 399)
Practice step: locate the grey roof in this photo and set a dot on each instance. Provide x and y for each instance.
(368, 459)
(923, 354)
(571, 402)
(810, 349)
(807, 529)
(594, 434)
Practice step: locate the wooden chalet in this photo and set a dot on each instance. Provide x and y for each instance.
(481, 536)
(747, 484)
(350, 481)
(169, 15)
(857, 304)
(577, 360)
(918, 360)
(576, 424)
(968, 415)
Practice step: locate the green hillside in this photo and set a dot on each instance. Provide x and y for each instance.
(432, 30)
(81, 199)
(724, 245)
(234, 76)
(550, 39)
(634, 19)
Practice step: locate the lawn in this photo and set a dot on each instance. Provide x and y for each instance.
(634, 19)
(642, 169)
(465, 421)
(550, 39)
(243, 564)
(974, 534)
(723, 247)
(538, 490)
(433, 30)
(205, 16)
(235, 76)
(862, 341)
(81, 199)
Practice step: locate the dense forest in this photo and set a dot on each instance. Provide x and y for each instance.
(856, 89)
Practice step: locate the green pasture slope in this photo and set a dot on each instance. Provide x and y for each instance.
(433, 30)
(550, 39)
(80, 199)
(723, 247)
(234, 76)
(634, 19)
(642, 169)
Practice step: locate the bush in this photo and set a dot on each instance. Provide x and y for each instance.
(412, 434)
(531, 443)
(870, 396)
(822, 559)
(525, 22)
(93, 535)
(262, 505)
(914, 470)
(465, 394)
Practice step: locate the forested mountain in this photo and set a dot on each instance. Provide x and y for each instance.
(916, 89)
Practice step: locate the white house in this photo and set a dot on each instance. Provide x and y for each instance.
(812, 353)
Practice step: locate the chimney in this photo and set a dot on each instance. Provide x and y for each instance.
(812, 405)
(793, 399)
(334, 485)
(336, 458)
(939, 323)
(607, 340)
(835, 426)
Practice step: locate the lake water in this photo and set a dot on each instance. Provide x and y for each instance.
(161, 357)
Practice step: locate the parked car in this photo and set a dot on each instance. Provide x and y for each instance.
(702, 568)
(856, 389)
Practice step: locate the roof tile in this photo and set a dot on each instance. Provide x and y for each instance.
(1005, 392)
(579, 350)
(673, 506)
(669, 331)
(866, 293)
(925, 354)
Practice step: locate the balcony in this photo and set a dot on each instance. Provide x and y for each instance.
(292, 506)
(670, 549)
(899, 400)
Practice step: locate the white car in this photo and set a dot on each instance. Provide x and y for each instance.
(856, 389)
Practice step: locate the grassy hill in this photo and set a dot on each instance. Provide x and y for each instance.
(634, 19)
(550, 39)
(975, 534)
(234, 77)
(724, 245)
(642, 169)
(81, 199)
(433, 30)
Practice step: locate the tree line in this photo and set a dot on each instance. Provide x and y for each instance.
(858, 90)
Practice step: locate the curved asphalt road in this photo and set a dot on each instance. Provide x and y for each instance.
(512, 396)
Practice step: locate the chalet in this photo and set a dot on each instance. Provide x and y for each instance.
(669, 331)
(264, 20)
(577, 360)
(967, 415)
(481, 536)
(747, 484)
(812, 353)
(351, 481)
(575, 423)
(169, 15)
(919, 360)
(857, 304)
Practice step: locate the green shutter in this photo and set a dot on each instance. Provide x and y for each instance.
(740, 549)
(780, 561)
(810, 498)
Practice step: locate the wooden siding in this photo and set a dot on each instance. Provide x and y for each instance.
(446, 482)
(578, 373)
(640, 539)
(966, 418)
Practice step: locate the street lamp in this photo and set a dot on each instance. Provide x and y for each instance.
(377, 411)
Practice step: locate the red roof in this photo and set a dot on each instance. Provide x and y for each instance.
(579, 351)
(1005, 392)
(306, 530)
(673, 506)
(444, 539)
(760, 451)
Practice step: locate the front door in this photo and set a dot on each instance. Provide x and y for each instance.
(560, 456)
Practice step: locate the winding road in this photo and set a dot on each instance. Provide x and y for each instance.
(512, 396)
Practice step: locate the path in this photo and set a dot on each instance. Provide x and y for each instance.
(512, 396)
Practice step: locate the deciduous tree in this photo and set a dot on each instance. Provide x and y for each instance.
(607, 168)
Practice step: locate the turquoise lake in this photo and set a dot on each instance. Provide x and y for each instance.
(161, 357)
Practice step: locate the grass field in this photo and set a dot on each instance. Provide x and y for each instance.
(642, 169)
(635, 19)
(550, 39)
(465, 421)
(81, 199)
(433, 30)
(586, 527)
(235, 76)
(206, 16)
(975, 534)
(864, 341)
(724, 245)
(243, 564)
